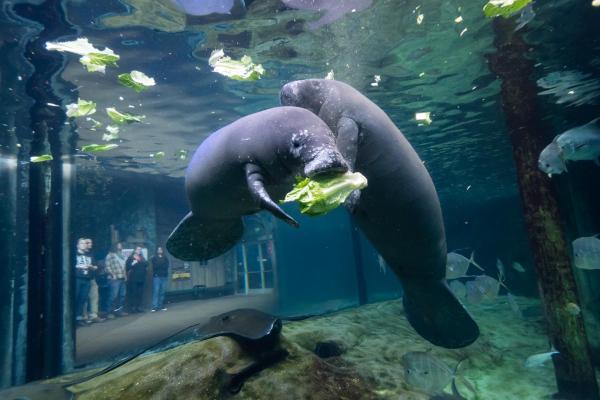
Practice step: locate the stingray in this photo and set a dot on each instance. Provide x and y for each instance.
(254, 330)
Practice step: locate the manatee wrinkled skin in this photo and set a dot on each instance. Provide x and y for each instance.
(239, 169)
(399, 211)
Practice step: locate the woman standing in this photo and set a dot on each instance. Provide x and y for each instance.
(136, 267)
(160, 279)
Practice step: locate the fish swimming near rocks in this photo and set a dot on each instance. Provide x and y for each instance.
(482, 288)
(551, 160)
(239, 169)
(427, 373)
(581, 143)
(586, 252)
(333, 9)
(457, 265)
(538, 360)
(517, 266)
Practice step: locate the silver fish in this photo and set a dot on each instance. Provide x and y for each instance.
(586, 252)
(500, 267)
(514, 306)
(537, 360)
(457, 265)
(581, 143)
(425, 372)
(482, 288)
(551, 161)
(458, 288)
(517, 266)
(527, 15)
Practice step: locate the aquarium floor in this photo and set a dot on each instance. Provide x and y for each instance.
(110, 338)
(373, 337)
(376, 336)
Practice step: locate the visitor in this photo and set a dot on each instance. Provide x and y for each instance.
(160, 279)
(84, 271)
(136, 267)
(93, 293)
(117, 278)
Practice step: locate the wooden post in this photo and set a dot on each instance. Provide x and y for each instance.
(573, 367)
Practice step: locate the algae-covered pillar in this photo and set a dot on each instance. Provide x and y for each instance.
(573, 367)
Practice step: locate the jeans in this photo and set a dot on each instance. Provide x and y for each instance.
(159, 285)
(93, 299)
(82, 290)
(118, 291)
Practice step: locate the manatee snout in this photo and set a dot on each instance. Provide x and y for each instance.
(326, 162)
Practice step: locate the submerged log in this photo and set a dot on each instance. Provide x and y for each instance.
(573, 367)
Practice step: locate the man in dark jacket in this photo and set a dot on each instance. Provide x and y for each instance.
(160, 280)
(84, 273)
(136, 267)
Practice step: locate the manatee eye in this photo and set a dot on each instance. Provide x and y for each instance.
(295, 142)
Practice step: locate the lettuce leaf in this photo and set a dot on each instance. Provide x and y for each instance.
(320, 195)
(504, 8)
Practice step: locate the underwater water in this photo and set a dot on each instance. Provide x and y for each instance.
(465, 265)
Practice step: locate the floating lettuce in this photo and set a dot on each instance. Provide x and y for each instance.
(112, 133)
(504, 8)
(158, 155)
(42, 158)
(242, 70)
(81, 108)
(94, 148)
(92, 58)
(320, 195)
(181, 154)
(123, 118)
(95, 124)
(424, 117)
(136, 80)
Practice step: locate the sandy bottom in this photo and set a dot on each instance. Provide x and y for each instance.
(375, 337)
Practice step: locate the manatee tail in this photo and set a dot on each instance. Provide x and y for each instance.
(437, 315)
(198, 239)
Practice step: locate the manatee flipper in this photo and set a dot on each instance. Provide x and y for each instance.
(257, 189)
(199, 239)
(347, 143)
(437, 315)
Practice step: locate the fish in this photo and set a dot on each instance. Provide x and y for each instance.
(333, 9)
(514, 306)
(551, 161)
(538, 360)
(500, 267)
(527, 15)
(425, 372)
(517, 266)
(573, 309)
(457, 265)
(581, 143)
(458, 288)
(382, 265)
(482, 288)
(586, 252)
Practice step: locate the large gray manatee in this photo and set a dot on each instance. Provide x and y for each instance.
(239, 170)
(399, 211)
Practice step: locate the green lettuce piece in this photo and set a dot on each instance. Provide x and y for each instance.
(123, 118)
(93, 148)
(158, 155)
(81, 108)
(42, 158)
(181, 154)
(504, 8)
(320, 195)
(242, 70)
(136, 80)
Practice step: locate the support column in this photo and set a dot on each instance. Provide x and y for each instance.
(573, 367)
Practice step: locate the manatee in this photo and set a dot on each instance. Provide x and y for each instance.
(239, 170)
(399, 212)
